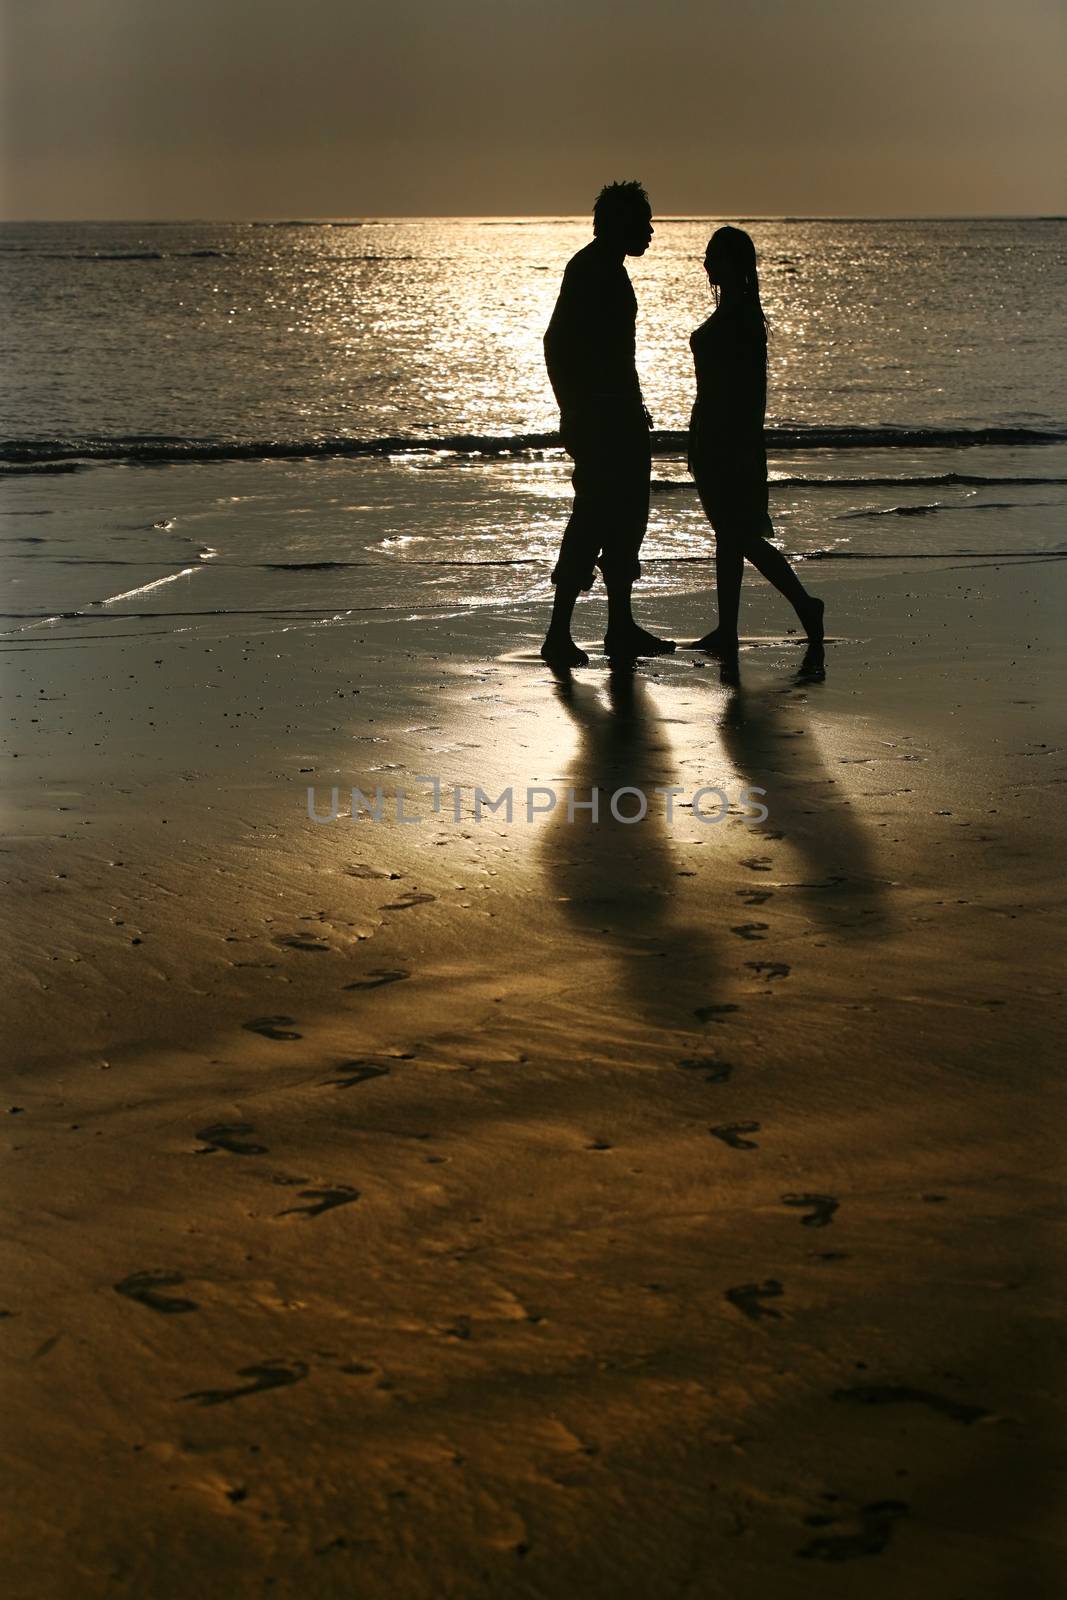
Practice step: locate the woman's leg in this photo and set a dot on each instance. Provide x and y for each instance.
(729, 570)
(734, 515)
(775, 567)
(731, 552)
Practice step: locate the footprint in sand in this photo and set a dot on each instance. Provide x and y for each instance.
(753, 897)
(356, 1072)
(325, 1200)
(876, 1529)
(823, 1208)
(266, 1375)
(229, 1136)
(749, 1297)
(757, 863)
(144, 1287)
(714, 1071)
(377, 976)
(750, 930)
(299, 941)
(889, 1394)
(407, 900)
(714, 1013)
(769, 969)
(271, 1027)
(731, 1133)
(361, 871)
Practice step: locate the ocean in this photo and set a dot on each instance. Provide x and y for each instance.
(297, 422)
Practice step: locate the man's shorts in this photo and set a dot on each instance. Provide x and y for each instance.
(612, 470)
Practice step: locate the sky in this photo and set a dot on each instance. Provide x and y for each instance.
(226, 109)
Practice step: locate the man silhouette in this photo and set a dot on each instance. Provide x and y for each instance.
(589, 352)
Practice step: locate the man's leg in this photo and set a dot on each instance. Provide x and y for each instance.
(559, 648)
(626, 501)
(575, 569)
(625, 639)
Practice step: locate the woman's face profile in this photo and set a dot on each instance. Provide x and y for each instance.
(711, 263)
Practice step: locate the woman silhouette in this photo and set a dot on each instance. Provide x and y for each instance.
(726, 451)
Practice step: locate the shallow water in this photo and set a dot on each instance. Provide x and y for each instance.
(274, 545)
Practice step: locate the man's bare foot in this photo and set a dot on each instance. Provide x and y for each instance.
(812, 618)
(717, 643)
(559, 650)
(626, 644)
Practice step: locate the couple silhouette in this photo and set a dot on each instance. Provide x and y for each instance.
(590, 355)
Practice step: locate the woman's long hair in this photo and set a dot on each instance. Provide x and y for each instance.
(733, 246)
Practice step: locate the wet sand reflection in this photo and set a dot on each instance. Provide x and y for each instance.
(617, 881)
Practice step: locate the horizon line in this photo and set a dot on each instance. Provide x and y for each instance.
(323, 219)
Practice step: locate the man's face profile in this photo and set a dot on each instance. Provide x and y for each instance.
(638, 231)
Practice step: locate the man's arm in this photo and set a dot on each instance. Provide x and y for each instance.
(567, 354)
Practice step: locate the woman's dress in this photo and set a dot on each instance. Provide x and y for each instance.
(727, 456)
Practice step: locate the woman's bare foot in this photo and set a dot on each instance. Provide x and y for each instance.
(812, 618)
(813, 667)
(559, 650)
(717, 643)
(627, 644)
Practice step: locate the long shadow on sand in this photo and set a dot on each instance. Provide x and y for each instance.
(768, 741)
(615, 882)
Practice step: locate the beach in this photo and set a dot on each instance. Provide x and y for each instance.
(533, 1208)
(479, 1195)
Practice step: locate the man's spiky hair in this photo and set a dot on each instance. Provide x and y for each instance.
(617, 201)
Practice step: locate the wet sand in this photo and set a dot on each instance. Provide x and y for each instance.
(551, 1208)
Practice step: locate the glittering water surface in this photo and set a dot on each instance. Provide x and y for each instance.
(434, 327)
(257, 359)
